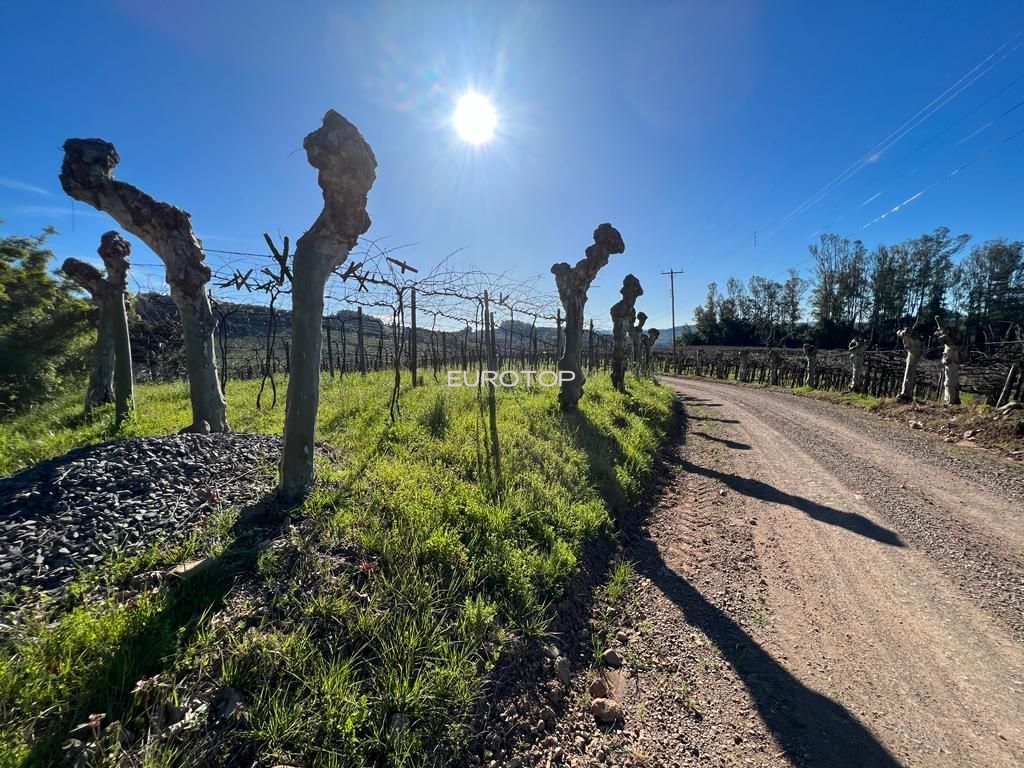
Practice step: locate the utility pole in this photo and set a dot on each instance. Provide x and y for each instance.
(672, 292)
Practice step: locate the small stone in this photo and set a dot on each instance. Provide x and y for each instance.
(192, 568)
(611, 658)
(599, 688)
(562, 670)
(606, 710)
(622, 636)
(555, 692)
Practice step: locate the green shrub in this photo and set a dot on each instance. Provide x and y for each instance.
(45, 338)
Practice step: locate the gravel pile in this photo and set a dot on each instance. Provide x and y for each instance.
(68, 513)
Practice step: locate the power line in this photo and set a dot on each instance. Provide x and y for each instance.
(895, 136)
(929, 141)
(950, 175)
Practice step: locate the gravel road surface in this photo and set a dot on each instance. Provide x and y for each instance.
(892, 567)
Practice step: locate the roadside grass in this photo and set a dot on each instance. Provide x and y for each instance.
(868, 402)
(362, 632)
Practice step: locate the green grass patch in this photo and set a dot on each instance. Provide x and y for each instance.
(868, 402)
(364, 635)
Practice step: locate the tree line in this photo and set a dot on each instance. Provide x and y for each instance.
(871, 294)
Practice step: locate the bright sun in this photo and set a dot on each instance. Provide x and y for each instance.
(475, 118)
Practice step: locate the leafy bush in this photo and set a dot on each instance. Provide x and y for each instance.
(44, 329)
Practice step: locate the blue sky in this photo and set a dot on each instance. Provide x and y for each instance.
(687, 125)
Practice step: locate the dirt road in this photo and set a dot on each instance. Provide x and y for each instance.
(890, 579)
(811, 586)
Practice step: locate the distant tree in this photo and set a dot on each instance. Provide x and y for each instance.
(888, 284)
(765, 298)
(791, 301)
(705, 330)
(840, 295)
(989, 289)
(44, 328)
(931, 271)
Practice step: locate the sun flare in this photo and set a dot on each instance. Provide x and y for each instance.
(475, 118)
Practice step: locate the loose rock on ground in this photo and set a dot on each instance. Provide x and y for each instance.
(71, 512)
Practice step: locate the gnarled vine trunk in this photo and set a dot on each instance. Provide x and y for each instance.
(811, 353)
(114, 251)
(857, 350)
(647, 344)
(744, 365)
(347, 170)
(111, 375)
(87, 175)
(634, 336)
(573, 284)
(774, 361)
(950, 340)
(623, 314)
(913, 338)
(100, 388)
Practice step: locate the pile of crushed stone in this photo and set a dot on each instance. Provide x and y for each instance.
(66, 514)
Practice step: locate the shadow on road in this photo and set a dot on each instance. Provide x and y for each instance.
(851, 521)
(712, 418)
(724, 441)
(812, 729)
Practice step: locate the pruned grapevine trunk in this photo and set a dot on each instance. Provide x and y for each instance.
(573, 284)
(623, 314)
(87, 175)
(1011, 378)
(647, 344)
(744, 364)
(634, 336)
(913, 338)
(347, 170)
(950, 340)
(857, 351)
(774, 361)
(114, 251)
(100, 389)
(101, 375)
(811, 354)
